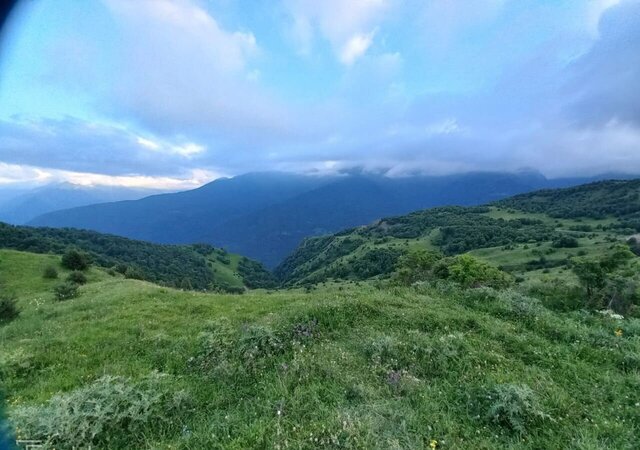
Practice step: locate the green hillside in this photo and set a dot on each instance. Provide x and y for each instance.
(198, 266)
(525, 235)
(129, 364)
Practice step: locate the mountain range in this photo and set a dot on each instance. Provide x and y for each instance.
(19, 206)
(266, 215)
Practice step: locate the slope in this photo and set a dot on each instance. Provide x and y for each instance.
(196, 266)
(516, 234)
(339, 367)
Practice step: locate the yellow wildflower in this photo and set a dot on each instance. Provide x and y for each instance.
(433, 444)
(618, 332)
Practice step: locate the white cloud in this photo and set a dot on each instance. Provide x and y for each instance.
(347, 25)
(17, 173)
(446, 126)
(187, 150)
(178, 70)
(595, 10)
(355, 47)
(148, 143)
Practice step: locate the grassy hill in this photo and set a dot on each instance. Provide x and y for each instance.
(342, 366)
(525, 235)
(198, 266)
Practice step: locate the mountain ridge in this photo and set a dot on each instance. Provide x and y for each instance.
(266, 215)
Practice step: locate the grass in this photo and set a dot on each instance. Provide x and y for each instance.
(342, 366)
(226, 274)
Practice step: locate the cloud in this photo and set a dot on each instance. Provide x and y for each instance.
(179, 71)
(604, 83)
(355, 47)
(348, 26)
(192, 91)
(12, 174)
(75, 145)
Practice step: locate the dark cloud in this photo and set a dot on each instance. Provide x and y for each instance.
(75, 145)
(604, 84)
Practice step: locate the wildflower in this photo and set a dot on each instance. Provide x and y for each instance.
(618, 332)
(433, 444)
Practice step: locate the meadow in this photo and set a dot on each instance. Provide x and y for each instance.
(129, 364)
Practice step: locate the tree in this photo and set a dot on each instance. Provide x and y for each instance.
(76, 260)
(602, 281)
(416, 266)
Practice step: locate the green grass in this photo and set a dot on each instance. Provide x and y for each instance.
(14, 265)
(342, 366)
(226, 274)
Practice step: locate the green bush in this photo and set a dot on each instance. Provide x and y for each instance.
(65, 291)
(76, 260)
(134, 273)
(112, 412)
(471, 272)
(514, 406)
(565, 242)
(8, 309)
(77, 277)
(50, 273)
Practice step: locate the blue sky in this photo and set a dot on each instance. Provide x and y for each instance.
(174, 93)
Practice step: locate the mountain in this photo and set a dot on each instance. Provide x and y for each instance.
(557, 223)
(199, 267)
(184, 217)
(22, 206)
(266, 215)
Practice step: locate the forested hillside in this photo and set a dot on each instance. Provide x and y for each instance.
(198, 266)
(523, 234)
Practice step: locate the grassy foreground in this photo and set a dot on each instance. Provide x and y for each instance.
(132, 365)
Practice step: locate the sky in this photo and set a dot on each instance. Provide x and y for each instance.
(175, 93)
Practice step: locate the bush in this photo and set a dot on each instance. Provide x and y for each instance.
(112, 412)
(565, 242)
(76, 260)
(65, 291)
(77, 277)
(134, 273)
(471, 272)
(8, 309)
(50, 273)
(514, 406)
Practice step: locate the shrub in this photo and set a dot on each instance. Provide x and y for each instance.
(65, 291)
(77, 277)
(514, 406)
(134, 273)
(259, 342)
(565, 242)
(112, 412)
(76, 260)
(50, 273)
(8, 309)
(471, 272)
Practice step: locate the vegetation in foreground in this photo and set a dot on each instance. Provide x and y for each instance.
(431, 365)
